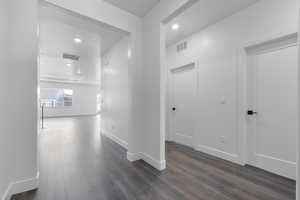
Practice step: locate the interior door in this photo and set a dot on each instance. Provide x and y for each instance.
(183, 96)
(273, 108)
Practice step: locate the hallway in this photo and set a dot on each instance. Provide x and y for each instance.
(76, 163)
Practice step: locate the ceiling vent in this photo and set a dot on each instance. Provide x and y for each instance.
(181, 46)
(71, 57)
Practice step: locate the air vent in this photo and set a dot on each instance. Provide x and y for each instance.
(181, 46)
(71, 56)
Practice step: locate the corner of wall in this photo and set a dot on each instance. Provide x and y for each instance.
(159, 165)
(21, 186)
(116, 139)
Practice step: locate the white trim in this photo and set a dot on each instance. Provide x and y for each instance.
(116, 139)
(159, 165)
(132, 157)
(65, 81)
(185, 67)
(66, 116)
(185, 140)
(277, 166)
(21, 186)
(220, 154)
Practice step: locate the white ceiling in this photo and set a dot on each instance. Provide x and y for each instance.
(137, 7)
(57, 29)
(201, 15)
(109, 35)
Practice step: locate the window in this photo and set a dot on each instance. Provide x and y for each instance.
(56, 98)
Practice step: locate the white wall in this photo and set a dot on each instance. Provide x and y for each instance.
(216, 49)
(298, 150)
(84, 99)
(154, 80)
(4, 148)
(18, 132)
(115, 91)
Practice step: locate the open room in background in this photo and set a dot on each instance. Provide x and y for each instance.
(71, 49)
(70, 62)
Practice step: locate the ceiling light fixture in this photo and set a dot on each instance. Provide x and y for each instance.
(175, 27)
(77, 40)
(69, 65)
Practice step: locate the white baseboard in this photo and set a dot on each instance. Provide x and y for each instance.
(21, 186)
(116, 139)
(220, 154)
(159, 165)
(277, 166)
(132, 157)
(67, 116)
(184, 140)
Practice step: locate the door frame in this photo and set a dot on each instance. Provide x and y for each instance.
(242, 91)
(170, 124)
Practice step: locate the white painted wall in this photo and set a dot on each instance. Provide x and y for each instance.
(216, 49)
(115, 91)
(298, 149)
(154, 80)
(84, 99)
(18, 129)
(4, 147)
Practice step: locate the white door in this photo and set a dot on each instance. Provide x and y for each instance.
(272, 93)
(183, 96)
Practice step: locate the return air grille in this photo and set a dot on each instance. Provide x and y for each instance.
(181, 46)
(71, 56)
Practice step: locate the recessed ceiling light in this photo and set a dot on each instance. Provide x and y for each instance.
(77, 40)
(175, 26)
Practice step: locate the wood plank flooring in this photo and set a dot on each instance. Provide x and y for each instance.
(76, 163)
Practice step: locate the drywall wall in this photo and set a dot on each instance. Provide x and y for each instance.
(154, 80)
(84, 99)
(19, 102)
(216, 49)
(298, 158)
(115, 91)
(4, 148)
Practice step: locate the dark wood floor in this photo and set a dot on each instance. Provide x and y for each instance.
(76, 163)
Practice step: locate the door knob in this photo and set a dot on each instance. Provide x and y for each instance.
(251, 112)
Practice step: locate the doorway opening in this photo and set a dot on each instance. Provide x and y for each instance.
(83, 84)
